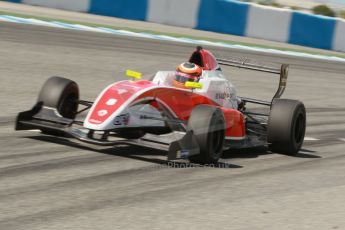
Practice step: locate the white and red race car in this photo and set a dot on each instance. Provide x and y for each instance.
(197, 123)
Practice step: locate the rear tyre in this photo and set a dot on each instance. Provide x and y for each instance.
(63, 95)
(208, 126)
(286, 126)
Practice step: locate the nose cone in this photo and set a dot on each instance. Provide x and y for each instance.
(112, 101)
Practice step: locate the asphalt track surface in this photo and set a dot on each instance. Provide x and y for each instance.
(53, 183)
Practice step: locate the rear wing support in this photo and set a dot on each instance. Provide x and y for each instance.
(282, 72)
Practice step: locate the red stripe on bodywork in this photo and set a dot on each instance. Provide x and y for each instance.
(120, 92)
(181, 102)
(235, 126)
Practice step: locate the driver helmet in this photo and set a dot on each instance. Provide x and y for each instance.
(187, 71)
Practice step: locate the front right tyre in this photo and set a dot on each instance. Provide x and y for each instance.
(208, 126)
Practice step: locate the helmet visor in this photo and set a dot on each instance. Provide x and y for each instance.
(180, 77)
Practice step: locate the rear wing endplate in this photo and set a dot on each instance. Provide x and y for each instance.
(283, 72)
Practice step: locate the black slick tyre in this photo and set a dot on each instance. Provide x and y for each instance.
(208, 126)
(286, 126)
(61, 94)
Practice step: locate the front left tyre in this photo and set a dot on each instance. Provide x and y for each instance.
(61, 94)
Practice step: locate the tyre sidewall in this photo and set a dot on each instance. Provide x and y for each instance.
(286, 118)
(62, 94)
(207, 123)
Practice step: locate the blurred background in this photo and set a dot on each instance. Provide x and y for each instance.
(308, 23)
(332, 8)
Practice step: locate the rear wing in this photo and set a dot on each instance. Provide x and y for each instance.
(283, 72)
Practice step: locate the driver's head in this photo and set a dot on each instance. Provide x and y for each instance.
(186, 72)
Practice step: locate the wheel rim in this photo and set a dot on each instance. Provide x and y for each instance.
(68, 106)
(299, 129)
(217, 138)
(217, 141)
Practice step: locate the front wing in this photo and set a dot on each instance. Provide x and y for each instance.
(177, 144)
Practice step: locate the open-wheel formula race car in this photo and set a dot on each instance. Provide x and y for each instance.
(196, 122)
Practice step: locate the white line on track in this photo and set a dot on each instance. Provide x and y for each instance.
(34, 130)
(311, 139)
